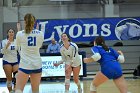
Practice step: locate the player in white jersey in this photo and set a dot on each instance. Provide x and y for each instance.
(10, 60)
(29, 40)
(69, 53)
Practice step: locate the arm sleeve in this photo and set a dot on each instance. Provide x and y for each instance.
(96, 55)
(41, 39)
(120, 58)
(75, 50)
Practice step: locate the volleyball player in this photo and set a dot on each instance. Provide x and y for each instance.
(69, 53)
(10, 60)
(29, 40)
(110, 67)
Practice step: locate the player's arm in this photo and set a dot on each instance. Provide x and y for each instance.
(17, 43)
(4, 46)
(118, 55)
(62, 60)
(95, 57)
(74, 51)
(121, 57)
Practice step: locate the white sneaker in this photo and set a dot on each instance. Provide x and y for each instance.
(128, 92)
(3, 92)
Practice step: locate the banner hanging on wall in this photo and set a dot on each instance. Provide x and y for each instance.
(85, 30)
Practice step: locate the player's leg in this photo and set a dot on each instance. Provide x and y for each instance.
(35, 82)
(68, 71)
(21, 80)
(15, 71)
(121, 84)
(98, 80)
(76, 71)
(8, 72)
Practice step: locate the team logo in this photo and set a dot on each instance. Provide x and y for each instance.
(128, 29)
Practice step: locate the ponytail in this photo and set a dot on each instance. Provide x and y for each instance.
(105, 47)
(100, 41)
(29, 23)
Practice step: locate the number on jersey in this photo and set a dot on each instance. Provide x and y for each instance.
(31, 41)
(12, 47)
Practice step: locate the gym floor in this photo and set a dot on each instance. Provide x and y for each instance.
(57, 86)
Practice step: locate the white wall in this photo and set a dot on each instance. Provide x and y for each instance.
(62, 11)
(10, 14)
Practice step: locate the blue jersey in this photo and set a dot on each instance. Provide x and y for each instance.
(110, 66)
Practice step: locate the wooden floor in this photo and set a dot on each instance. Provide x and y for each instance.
(57, 86)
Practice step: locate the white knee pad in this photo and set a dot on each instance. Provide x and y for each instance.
(67, 81)
(18, 91)
(9, 83)
(92, 87)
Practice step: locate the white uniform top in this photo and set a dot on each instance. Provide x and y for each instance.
(70, 56)
(9, 54)
(30, 44)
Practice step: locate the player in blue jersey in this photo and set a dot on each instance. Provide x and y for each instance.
(29, 41)
(10, 60)
(109, 60)
(71, 58)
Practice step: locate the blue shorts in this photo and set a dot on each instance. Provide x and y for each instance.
(31, 71)
(112, 71)
(12, 64)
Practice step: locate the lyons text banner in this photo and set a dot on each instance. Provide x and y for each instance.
(85, 30)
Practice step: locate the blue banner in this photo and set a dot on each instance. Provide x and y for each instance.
(85, 30)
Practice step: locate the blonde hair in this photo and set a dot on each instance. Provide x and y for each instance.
(29, 23)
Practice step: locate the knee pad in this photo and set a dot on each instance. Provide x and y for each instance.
(92, 87)
(67, 81)
(9, 83)
(18, 91)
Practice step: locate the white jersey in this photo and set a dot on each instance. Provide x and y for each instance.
(30, 44)
(9, 54)
(70, 56)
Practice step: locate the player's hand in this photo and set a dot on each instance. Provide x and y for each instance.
(85, 60)
(56, 64)
(8, 44)
(120, 52)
